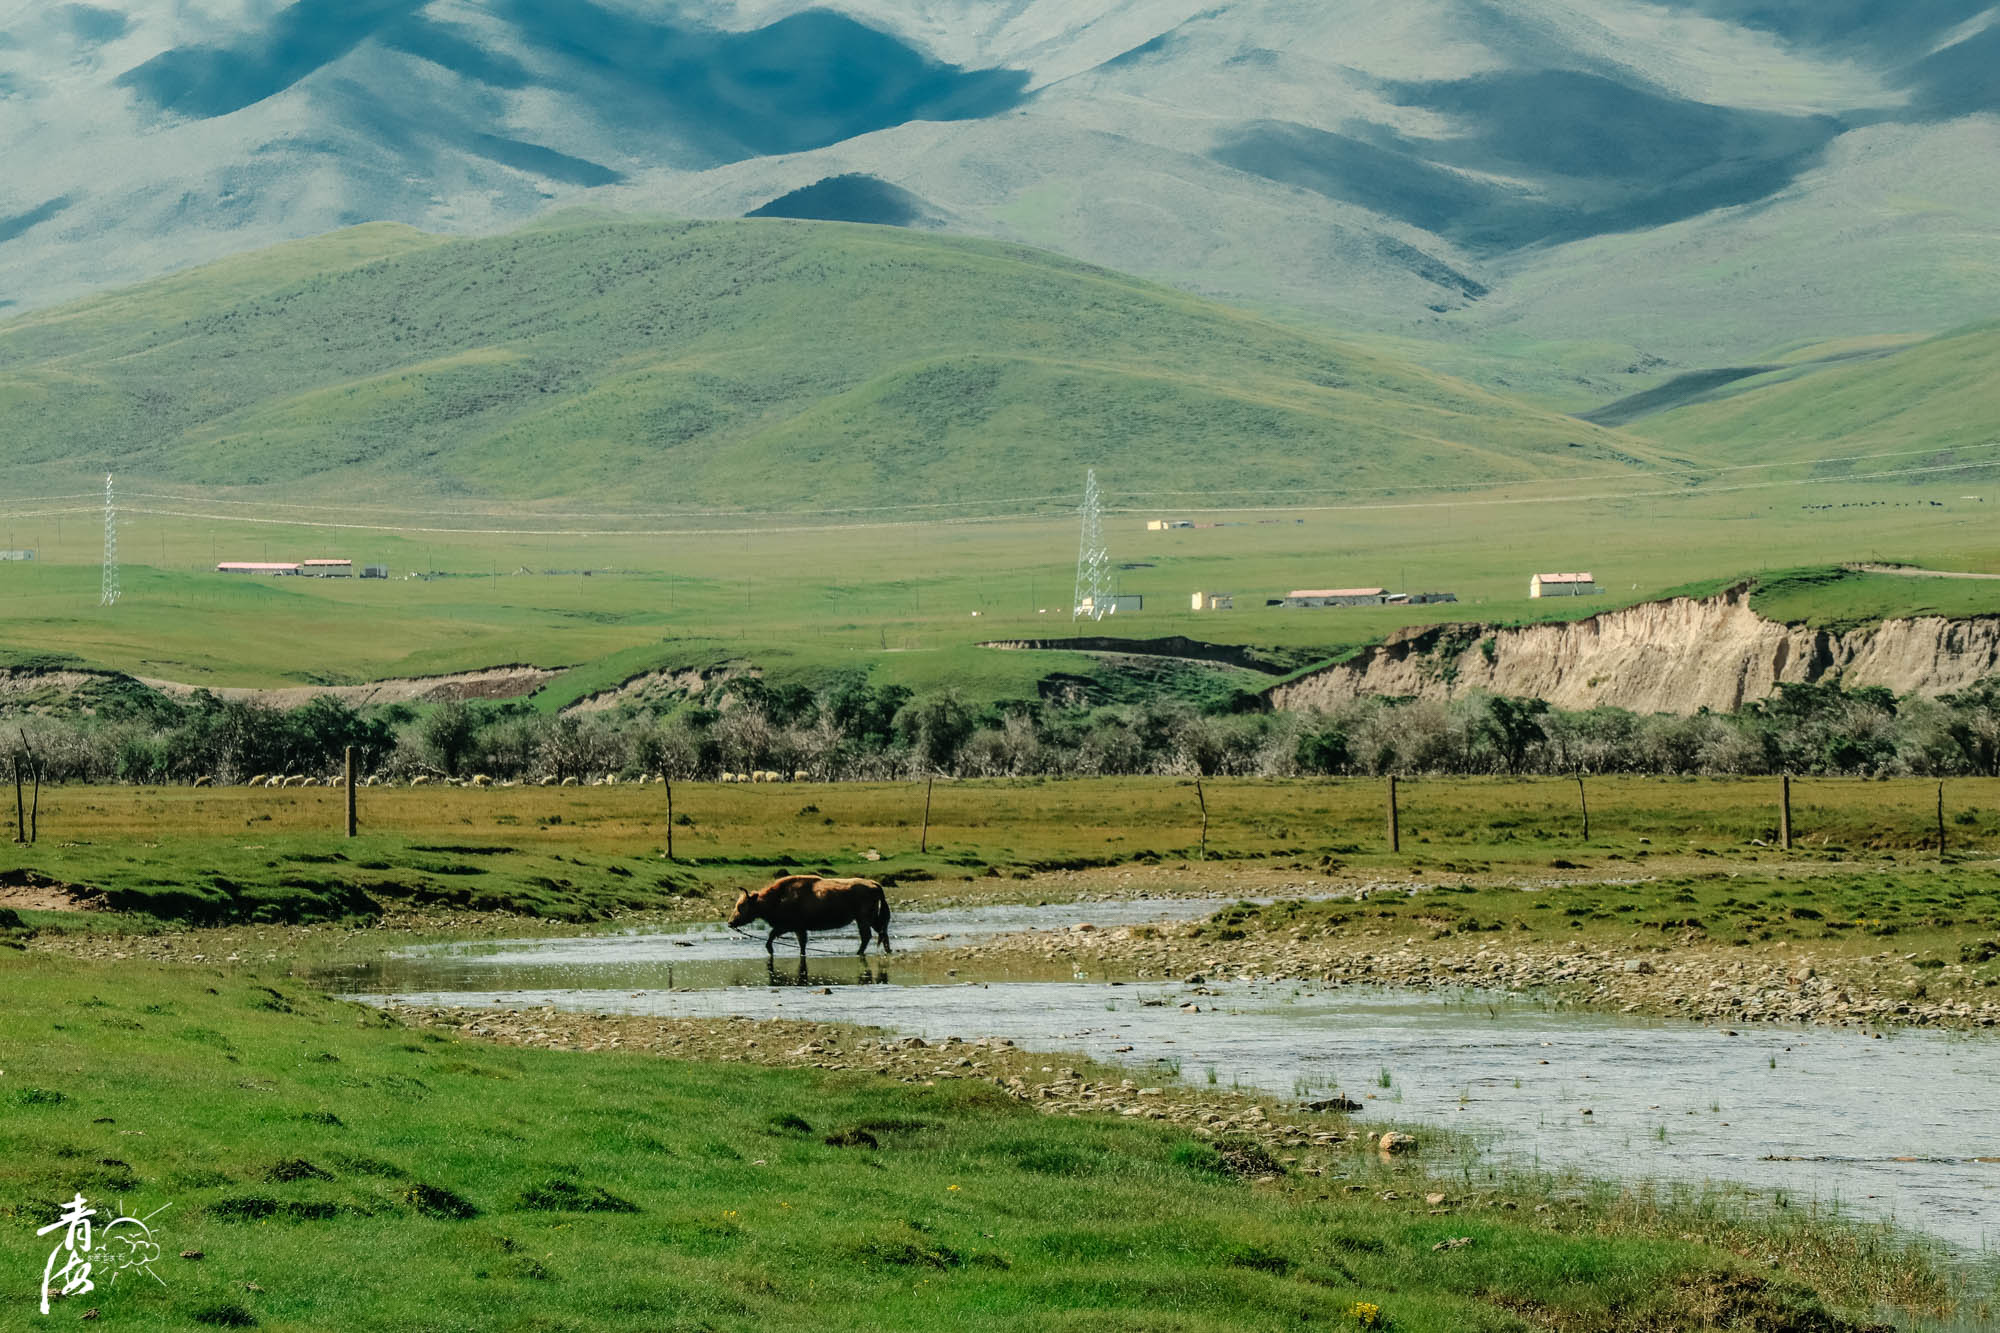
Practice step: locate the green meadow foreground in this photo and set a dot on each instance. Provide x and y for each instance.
(336, 1168)
(329, 1168)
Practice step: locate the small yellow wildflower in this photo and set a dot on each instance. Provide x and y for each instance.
(951, 1187)
(1366, 1313)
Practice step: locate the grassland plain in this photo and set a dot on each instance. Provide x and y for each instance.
(899, 601)
(328, 1167)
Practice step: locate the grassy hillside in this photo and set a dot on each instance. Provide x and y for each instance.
(1937, 394)
(753, 364)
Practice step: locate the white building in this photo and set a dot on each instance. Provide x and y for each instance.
(1214, 601)
(1124, 601)
(1563, 585)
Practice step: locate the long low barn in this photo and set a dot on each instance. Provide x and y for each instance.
(257, 567)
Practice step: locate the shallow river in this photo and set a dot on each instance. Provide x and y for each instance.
(1889, 1127)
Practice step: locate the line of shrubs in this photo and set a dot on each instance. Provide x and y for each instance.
(850, 730)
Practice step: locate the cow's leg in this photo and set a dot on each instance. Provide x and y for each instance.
(768, 943)
(863, 950)
(802, 946)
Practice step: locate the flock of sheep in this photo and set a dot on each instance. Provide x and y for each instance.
(482, 780)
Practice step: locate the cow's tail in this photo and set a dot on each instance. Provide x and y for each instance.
(882, 919)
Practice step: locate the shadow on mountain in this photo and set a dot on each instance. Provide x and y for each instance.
(1895, 30)
(205, 81)
(1682, 390)
(447, 46)
(803, 82)
(541, 161)
(1959, 80)
(855, 197)
(1902, 37)
(20, 222)
(1558, 156)
(800, 83)
(93, 26)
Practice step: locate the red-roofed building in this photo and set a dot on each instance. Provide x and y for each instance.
(1563, 585)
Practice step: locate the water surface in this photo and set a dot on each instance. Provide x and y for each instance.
(1889, 1127)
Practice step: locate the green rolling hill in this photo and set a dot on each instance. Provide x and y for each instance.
(737, 365)
(1933, 395)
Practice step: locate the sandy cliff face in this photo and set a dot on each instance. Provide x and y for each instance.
(1676, 656)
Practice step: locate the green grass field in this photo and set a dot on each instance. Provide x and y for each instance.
(321, 1167)
(899, 602)
(179, 855)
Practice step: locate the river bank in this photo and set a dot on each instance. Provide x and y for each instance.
(554, 1170)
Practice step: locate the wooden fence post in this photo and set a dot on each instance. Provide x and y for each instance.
(350, 790)
(1395, 828)
(1584, 801)
(670, 818)
(1940, 821)
(32, 831)
(1204, 818)
(20, 806)
(1785, 811)
(924, 841)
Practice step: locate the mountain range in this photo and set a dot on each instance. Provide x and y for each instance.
(1570, 201)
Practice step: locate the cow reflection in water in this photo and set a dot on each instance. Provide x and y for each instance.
(867, 975)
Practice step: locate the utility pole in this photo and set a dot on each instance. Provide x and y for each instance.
(1093, 561)
(108, 596)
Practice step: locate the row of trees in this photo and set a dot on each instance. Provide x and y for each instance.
(852, 730)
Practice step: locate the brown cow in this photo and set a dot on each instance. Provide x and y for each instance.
(795, 904)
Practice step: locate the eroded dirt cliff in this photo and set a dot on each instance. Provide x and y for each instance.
(1675, 656)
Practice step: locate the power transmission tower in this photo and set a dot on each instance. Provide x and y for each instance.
(1093, 562)
(110, 594)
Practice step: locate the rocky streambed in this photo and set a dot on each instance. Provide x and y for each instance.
(1712, 983)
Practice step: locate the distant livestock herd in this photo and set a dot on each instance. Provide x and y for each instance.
(482, 780)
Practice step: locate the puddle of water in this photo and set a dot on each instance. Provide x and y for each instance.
(1887, 1127)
